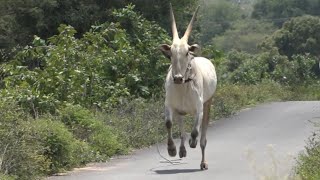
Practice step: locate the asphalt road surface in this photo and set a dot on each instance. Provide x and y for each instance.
(261, 141)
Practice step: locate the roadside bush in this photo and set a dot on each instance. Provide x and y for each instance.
(102, 139)
(6, 177)
(140, 122)
(60, 148)
(235, 59)
(299, 70)
(31, 100)
(30, 148)
(251, 72)
(304, 68)
(231, 98)
(244, 68)
(20, 154)
(306, 93)
(309, 161)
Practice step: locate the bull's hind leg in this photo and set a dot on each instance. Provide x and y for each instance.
(196, 127)
(172, 151)
(204, 126)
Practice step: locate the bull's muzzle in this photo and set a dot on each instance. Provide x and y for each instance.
(178, 79)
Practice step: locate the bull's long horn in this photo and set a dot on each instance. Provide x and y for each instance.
(189, 29)
(174, 26)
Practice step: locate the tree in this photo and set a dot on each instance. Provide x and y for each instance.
(107, 64)
(32, 17)
(278, 11)
(218, 17)
(158, 11)
(298, 36)
(20, 20)
(244, 35)
(298, 41)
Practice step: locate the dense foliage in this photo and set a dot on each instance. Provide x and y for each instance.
(287, 56)
(280, 11)
(108, 63)
(243, 35)
(218, 18)
(20, 20)
(243, 68)
(81, 81)
(299, 36)
(33, 147)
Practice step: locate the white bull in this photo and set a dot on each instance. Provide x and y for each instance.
(190, 85)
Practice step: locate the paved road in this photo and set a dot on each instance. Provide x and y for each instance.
(233, 144)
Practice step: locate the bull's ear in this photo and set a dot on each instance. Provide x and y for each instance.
(166, 50)
(194, 49)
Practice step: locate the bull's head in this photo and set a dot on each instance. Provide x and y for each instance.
(180, 52)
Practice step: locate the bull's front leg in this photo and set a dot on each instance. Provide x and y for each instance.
(196, 127)
(182, 150)
(172, 151)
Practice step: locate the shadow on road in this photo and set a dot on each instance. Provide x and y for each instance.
(176, 171)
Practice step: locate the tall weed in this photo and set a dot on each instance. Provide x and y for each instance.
(308, 166)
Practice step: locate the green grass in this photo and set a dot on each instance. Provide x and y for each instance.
(231, 98)
(306, 93)
(140, 122)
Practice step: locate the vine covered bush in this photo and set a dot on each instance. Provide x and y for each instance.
(107, 64)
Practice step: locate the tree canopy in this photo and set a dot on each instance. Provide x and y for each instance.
(280, 11)
(299, 35)
(20, 20)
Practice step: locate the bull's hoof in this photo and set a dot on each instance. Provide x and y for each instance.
(204, 166)
(193, 142)
(172, 151)
(182, 152)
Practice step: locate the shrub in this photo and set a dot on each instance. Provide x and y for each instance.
(309, 161)
(140, 122)
(103, 140)
(243, 68)
(304, 93)
(30, 147)
(7, 177)
(107, 64)
(20, 154)
(251, 72)
(231, 98)
(60, 148)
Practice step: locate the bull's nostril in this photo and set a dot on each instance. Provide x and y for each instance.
(178, 80)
